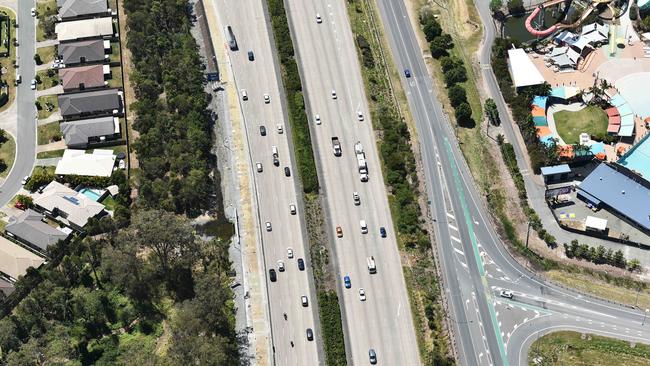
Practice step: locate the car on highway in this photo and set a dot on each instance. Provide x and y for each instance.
(310, 334)
(267, 99)
(333, 94)
(18, 80)
(364, 177)
(276, 161)
(347, 282)
(33, 84)
(364, 226)
(317, 119)
(280, 128)
(287, 171)
(251, 55)
(304, 301)
(372, 355)
(356, 198)
(301, 264)
(262, 130)
(280, 265)
(407, 73)
(289, 253)
(292, 209)
(339, 232)
(507, 294)
(382, 232)
(244, 95)
(268, 226)
(318, 18)
(25, 180)
(359, 115)
(33, 12)
(272, 275)
(259, 167)
(362, 294)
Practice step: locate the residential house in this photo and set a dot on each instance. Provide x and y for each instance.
(92, 103)
(68, 206)
(84, 77)
(82, 134)
(76, 9)
(31, 229)
(99, 163)
(81, 52)
(6, 288)
(84, 29)
(15, 260)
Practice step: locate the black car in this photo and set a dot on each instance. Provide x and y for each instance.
(372, 355)
(287, 171)
(276, 161)
(272, 275)
(310, 334)
(382, 232)
(251, 56)
(262, 130)
(301, 264)
(407, 73)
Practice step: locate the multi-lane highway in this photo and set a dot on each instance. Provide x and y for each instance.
(274, 191)
(26, 122)
(329, 64)
(489, 329)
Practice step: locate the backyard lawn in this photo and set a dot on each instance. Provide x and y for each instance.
(569, 349)
(46, 54)
(116, 77)
(7, 154)
(49, 133)
(45, 9)
(48, 105)
(592, 120)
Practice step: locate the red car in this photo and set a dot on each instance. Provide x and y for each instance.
(20, 206)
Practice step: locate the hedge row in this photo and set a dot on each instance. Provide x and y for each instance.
(332, 328)
(295, 100)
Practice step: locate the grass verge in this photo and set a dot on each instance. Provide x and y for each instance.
(49, 78)
(399, 166)
(46, 53)
(7, 154)
(573, 349)
(48, 105)
(8, 63)
(48, 133)
(50, 154)
(329, 310)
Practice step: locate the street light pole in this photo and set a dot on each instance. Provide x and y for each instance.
(645, 314)
(527, 234)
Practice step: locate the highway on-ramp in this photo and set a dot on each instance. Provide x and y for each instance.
(488, 329)
(274, 191)
(329, 63)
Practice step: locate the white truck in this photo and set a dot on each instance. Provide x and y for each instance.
(361, 158)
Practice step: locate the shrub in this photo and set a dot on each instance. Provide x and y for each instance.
(457, 95)
(430, 26)
(495, 5)
(458, 74)
(37, 59)
(463, 113)
(516, 7)
(4, 98)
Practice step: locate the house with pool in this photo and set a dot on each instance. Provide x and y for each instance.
(67, 206)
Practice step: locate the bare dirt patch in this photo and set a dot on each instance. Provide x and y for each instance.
(129, 94)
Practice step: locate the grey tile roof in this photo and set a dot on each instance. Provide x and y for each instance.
(77, 133)
(75, 8)
(31, 229)
(89, 51)
(89, 102)
(6, 287)
(625, 194)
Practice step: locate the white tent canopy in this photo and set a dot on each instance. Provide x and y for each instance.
(523, 70)
(596, 223)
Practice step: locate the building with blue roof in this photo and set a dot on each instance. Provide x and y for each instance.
(555, 173)
(620, 191)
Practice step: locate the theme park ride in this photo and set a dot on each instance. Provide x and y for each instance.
(593, 6)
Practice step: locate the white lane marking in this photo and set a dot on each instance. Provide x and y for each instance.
(459, 251)
(452, 227)
(454, 238)
(451, 216)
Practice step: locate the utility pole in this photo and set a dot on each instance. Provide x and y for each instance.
(527, 234)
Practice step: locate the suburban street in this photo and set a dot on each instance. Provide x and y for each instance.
(334, 90)
(26, 120)
(274, 191)
(489, 329)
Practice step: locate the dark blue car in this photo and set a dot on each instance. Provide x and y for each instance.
(382, 232)
(407, 73)
(346, 281)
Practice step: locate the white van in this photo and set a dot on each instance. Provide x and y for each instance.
(364, 227)
(274, 150)
(372, 268)
(19, 79)
(244, 95)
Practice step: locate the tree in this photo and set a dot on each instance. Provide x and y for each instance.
(440, 45)
(619, 259)
(463, 113)
(25, 200)
(449, 62)
(646, 23)
(492, 112)
(633, 265)
(457, 95)
(37, 59)
(495, 5)
(516, 7)
(456, 75)
(431, 27)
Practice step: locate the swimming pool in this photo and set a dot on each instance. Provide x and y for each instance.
(91, 193)
(638, 159)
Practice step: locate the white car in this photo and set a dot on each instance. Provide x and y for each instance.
(364, 227)
(268, 226)
(280, 266)
(318, 18)
(33, 85)
(121, 164)
(33, 11)
(359, 116)
(25, 180)
(292, 209)
(507, 294)
(304, 301)
(362, 294)
(364, 177)
(259, 167)
(280, 128)
(267, 99)
(356, 198)
(333, 94)
(289, 253)
(317, 119)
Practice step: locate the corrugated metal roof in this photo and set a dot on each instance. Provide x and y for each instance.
(556, 169)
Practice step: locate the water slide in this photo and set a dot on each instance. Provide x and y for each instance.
(553, 28)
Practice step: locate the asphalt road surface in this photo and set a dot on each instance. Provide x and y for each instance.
(488, 329)
(26, 129)
(274, 191)
(328, 61)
